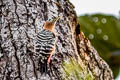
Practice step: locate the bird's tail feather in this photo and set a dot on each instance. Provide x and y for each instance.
(43, 66)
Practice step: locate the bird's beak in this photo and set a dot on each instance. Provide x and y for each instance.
(56, 19)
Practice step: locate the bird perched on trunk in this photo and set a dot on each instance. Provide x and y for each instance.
(45, 44)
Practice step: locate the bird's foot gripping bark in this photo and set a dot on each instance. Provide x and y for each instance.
(49, 58)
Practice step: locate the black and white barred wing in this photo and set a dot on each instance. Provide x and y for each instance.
(45, 42)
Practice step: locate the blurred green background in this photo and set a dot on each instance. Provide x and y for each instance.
(103, 31)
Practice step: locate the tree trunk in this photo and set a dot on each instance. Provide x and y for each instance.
(74, 58)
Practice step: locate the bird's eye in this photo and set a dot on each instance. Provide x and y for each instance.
(49, 19)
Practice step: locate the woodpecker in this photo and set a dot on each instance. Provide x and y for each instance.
(45, 44)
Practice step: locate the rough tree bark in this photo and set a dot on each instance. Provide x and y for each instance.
(74, 59)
